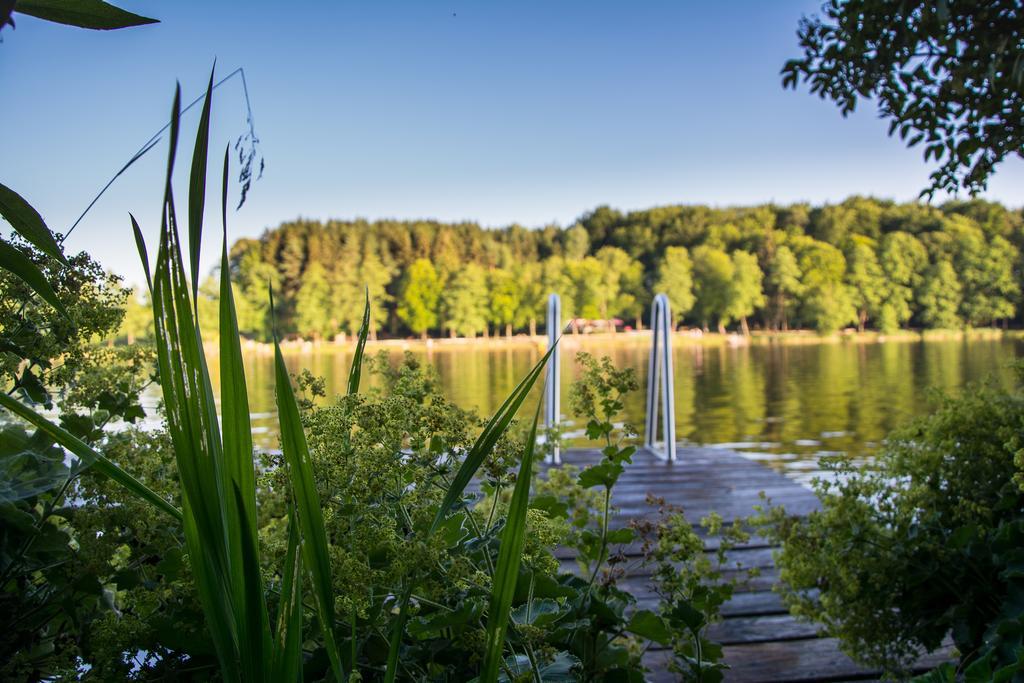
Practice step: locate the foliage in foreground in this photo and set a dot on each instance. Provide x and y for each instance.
(947, 74)
(922, 544)
(357, 555)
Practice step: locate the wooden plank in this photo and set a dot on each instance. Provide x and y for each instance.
(710, 544)
(746, 604)
(639, 585)
(814, 659)
(759, 629)
(762, 641)
(750, 558)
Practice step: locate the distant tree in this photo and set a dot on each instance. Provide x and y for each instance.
(577, 243)
(464, 301)
(208, 306)
(255, 278)
(588, 289)
(866, 280)
(986, 271)
(420, 297)
(290, 262)
(634, 296)
(940, 297)
(784, 284)
(505, 295)
(616, 295)
(675, 280)
(747, 294)
(348, 293)
(313, 304)
(556, 278)
(713, 273)
(534, 298)
(375, 275)
(903, 259)
(137, 323)
(945, 73)
(827, 302)
(445, 254)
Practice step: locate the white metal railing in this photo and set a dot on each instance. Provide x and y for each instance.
(660, 377)
(552, 405)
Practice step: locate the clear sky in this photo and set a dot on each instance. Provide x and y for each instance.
(498, 112)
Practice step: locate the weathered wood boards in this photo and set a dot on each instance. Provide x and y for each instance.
(762, 641)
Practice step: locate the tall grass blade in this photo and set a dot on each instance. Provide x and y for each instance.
(397, 631)
(354, 376)
(239, 471)
(287, 656)
(311, 521)
(507, 571)
(485, 443)
(89, 456)
(195, 434)
(355, 373)
(15, 261)
(140, 245)
(197, 187)
(253, 638)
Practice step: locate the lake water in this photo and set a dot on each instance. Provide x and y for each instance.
(785, 404)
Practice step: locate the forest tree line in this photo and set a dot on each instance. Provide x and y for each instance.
(864, 262)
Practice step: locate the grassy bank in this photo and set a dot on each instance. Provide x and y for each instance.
(685, 338)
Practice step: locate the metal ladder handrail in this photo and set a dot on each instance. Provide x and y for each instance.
(660, 375)
(552, 399)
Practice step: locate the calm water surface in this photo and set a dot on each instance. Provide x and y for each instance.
(787, 405)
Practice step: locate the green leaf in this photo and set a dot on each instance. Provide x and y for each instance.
(140, 245)
(88, 456)
(485, 443)
(537, 612)
(32, 387)
(604, 474)
(93, 14)
(254, 641)
(27, 222)
(649, 625)
(467, 611)
(287, 655)
(311, 521)
(684, 613)
(197, 188)
(551, 506)
(238, 471)
(357, 358)
(395, 640)
(15, 261)
(507, 570)
(194, 429)
(623, 535)
(562, 668)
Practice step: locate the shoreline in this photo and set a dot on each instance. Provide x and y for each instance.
(681, 338)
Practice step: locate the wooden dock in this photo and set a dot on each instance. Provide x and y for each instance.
(762, 642)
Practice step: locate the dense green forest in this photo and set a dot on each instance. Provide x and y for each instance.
(864, 262)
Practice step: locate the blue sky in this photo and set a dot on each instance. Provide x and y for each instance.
(533, 112)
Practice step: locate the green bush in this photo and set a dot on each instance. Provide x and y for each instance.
(923, 542)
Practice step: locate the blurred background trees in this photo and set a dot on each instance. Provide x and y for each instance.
(869, 263)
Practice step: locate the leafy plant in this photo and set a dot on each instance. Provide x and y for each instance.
(689, 582)
(92, 14)
(921, 544)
